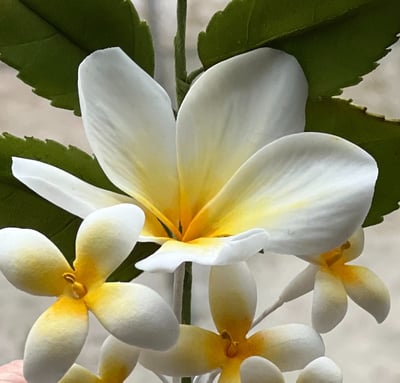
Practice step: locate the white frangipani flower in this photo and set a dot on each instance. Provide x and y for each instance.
(117, 360)
(332, 279)
(232, 296)
(131, 312)
(235, 173)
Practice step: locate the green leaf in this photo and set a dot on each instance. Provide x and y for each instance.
(46, 40)
(379, 137)
(336, 42)
(20, 207)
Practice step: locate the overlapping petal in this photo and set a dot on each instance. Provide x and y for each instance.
(12, 372)
(104, 239)
(289, 346)
(117, 360)
(134, 314)
(205, 251)
(63, 189)
(129, 121)
(233, 298)
(78, 374)
(55, 340)
(31, 262)
(308, 190)
(261, 93)
(260, 370)
(366, 289)
(321, 370)
(329, 301)
(196, 352)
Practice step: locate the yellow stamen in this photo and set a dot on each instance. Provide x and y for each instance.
(233, 346)
(78, 289)
(334, 255)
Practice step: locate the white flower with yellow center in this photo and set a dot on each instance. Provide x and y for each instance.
(117, 360)
(233, 174)
(131, 312)
(333, 279)
(232, 295)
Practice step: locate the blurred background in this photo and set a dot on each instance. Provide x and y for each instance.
(364, 350)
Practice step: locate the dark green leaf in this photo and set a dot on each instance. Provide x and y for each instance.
(20, 207)
(336, 42)
(46, 40)
(377, 136)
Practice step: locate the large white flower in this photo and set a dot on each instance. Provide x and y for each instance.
(233, 174)
(233, 298)
(131, 312)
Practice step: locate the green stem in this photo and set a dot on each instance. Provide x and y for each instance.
(180, 52)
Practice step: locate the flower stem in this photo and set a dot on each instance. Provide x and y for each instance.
(180, 52)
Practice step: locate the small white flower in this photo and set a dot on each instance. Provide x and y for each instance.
(131, 312)
(332, 279)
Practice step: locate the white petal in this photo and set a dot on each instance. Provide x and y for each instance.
(366, 289)
(31, 262)
(235, 108)
(310, 191)
(196, 352)
(205, 251)
(135, 314)
(117, 360)
(63, 189)
(79, 374)
(289, 346)
(260, 370)
(321, 370)
(356, 242)
(55, 341)
(329, 301)
(233, 298)
(301, 284)
(105, 238)
(130, 126)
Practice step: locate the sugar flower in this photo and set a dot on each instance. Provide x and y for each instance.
(117, 360)
(233, 174)
(333, 279)
(259, 370)
(131, 312)
(232, 296)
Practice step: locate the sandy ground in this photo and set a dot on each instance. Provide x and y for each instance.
(367, 352)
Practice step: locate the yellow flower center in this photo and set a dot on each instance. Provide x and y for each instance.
(232, 347)
(331, 257)
(78, 290)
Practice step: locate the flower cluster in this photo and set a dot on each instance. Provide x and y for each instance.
(235, 174)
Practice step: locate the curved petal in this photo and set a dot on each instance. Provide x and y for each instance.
(117, 360)
(64, 189)
(289, 346)
(301, 284)
(322, 370)
(205, 251)
(235, 108)
(310, 191)
(130, 126)
(135, 314)
(196, 352)
(31, 262)
(79, 374)
(233, 299)
(260, 370)
(12, 372)
(356, 242)
(329, 301)
(105, 238)
(55, 340)
(366, 289)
